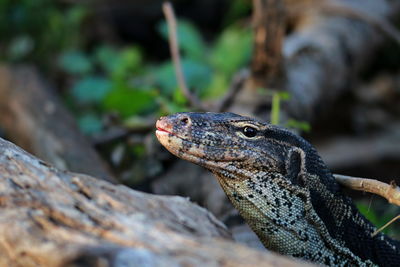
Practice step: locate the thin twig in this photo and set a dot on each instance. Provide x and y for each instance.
(391, 192)
(237, 84)
(386, 225)
(174, 48)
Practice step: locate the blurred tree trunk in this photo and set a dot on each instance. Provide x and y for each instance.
(35, 119)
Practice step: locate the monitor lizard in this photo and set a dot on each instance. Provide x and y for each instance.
(280, 186)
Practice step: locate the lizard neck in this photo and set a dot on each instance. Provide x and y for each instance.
(337, 212)
(345, 224)
(286, 221)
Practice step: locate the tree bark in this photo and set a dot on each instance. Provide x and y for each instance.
(56, 218)
(35, 119)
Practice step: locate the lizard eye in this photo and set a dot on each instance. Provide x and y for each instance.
(249, 131)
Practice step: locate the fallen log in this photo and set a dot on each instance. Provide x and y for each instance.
(35, 119)
(57, 218)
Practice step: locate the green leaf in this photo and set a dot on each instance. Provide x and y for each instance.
(90, 124)
(75, 62)
(119, 64)
(284, 95)
(179, 98)
(107, 57)
(218, 86)
(232, 50)
(197, 75)
(237, 10)
(275, 108)
(20, 47)
(190, 40)
(92, 89)
(169, 107)
(75, 15)
(128, 102)
(139, 150)
(300, 125)
(129, 62)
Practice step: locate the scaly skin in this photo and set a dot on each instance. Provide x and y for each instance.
(280, 186)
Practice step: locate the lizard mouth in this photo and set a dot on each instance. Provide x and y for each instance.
(174, 142)
(162, 131)
(187, 149)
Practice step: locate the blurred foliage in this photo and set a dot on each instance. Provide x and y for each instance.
(118, 80)
(102, 79)
(36, 30)
(237, 10)
(277, 97)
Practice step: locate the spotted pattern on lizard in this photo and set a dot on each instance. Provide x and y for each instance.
(280, 186)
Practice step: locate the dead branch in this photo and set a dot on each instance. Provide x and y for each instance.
(237, 84)
(390, 192)
(174, 48)
(56, 218)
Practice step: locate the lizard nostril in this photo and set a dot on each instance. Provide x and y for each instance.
(185, 121)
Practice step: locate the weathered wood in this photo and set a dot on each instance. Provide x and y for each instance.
(56, 218)
(35, 119)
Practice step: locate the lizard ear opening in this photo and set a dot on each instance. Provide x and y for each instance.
(294, 166)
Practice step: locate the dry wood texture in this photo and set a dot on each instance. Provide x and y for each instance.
(36, 120)
(56, 218)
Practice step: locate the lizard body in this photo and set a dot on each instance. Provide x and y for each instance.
(280, 186)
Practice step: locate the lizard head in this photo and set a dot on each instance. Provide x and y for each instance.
(226, 142)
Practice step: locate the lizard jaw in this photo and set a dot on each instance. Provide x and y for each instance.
(181, 145)
(174, 143)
